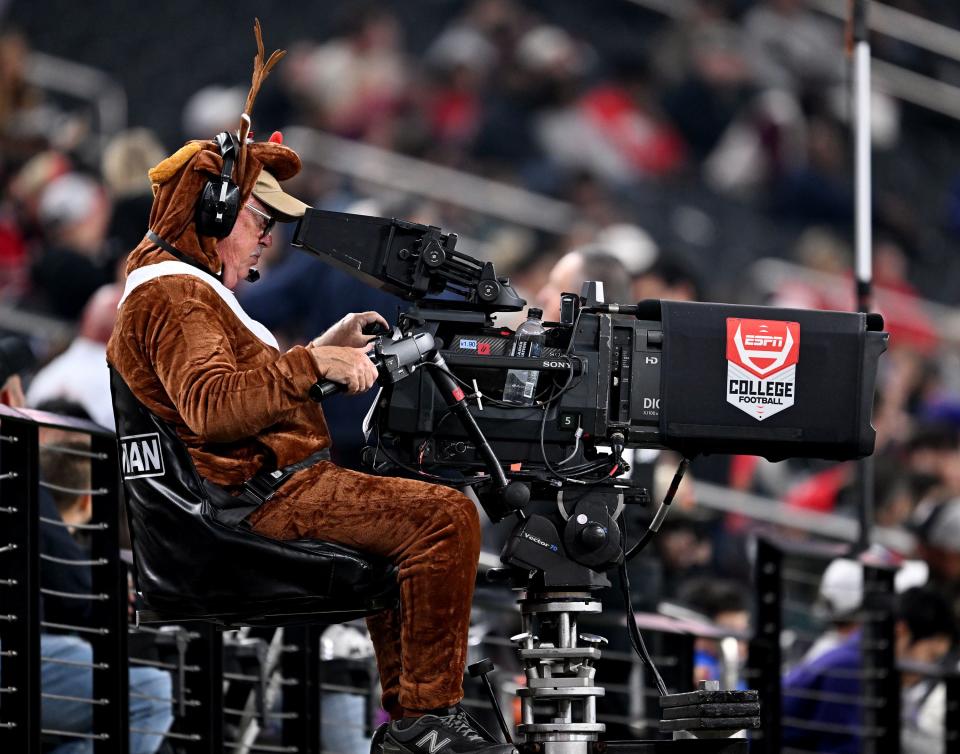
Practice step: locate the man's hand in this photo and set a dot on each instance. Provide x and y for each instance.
(348, 366)
(348, 332)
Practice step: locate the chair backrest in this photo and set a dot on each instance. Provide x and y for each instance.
(193, 559)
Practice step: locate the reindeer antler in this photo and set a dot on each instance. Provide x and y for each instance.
(261, 70)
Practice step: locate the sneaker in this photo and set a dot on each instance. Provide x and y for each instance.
(376, 743)
(447, 734)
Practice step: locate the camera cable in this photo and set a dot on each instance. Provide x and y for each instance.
(661, 513)
(636, 638)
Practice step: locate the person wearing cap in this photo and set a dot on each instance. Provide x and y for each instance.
(193, 357)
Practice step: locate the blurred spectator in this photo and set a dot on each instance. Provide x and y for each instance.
(17, 97)
(813, 691)
(80, 373)
(207, 112)
(820, 190)
(356, 82)
(668, 278)
(615, 130)
(939, 546)
(724, 605)
(125, 162)
(572, 270)
(715, 91)
(629, 243)
(839, 598)
(74, 212)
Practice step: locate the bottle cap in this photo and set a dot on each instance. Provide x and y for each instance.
(534, 313)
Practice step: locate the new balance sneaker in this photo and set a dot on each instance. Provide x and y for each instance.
(376, 743)
(456, 733)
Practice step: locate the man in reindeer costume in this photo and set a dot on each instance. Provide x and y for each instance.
(194, 358)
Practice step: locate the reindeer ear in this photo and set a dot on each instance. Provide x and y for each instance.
(276, 138)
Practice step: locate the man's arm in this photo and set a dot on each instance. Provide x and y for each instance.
(187, 342)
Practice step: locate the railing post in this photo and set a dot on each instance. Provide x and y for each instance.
(765, 658)
(110, 647)
(206, 687)
(951, 732)
(881, 677)
(302, 699)
(678, 676)
(19, 586)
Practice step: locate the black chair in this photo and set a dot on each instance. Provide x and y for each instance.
(195, 562)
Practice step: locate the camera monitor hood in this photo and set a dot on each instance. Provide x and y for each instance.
(413, 261)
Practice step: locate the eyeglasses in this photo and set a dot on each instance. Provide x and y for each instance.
(268, 226)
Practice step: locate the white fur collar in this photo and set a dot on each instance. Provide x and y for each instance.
(142, 275)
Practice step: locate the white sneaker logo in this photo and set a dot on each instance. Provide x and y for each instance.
(430, 739)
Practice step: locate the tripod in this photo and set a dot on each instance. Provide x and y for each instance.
(559, 701)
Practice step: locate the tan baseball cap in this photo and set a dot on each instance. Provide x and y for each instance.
(284, 207)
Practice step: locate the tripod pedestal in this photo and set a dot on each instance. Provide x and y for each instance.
(560, 665)
(558, 706)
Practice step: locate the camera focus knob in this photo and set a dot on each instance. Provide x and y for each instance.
(593, 536)
(488, 290)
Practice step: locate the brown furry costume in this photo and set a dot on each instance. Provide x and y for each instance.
(241, 406)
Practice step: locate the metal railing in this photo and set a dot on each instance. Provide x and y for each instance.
(900, 25)
(383, 167)
(895, 80)
(105, 96)
(20, 637)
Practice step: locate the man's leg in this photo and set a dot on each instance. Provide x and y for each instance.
(432, 533)
(385, 633)
(152, 713)
(61, 679)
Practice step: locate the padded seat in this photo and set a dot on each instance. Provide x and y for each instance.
(194, 561)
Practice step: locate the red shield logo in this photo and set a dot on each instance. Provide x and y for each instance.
(762, 347)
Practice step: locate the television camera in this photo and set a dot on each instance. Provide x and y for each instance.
(696, 378)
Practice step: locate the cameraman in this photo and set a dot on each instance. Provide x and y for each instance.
(194, 358)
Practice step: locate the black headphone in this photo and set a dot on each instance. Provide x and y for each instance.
(219, 203)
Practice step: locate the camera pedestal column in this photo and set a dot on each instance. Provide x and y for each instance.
(560, 665)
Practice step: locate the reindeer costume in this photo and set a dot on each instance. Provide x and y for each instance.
(195, 359)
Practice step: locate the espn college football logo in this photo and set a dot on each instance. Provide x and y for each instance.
(762, 359)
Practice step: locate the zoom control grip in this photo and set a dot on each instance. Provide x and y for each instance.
(394, 360)
(323, 389)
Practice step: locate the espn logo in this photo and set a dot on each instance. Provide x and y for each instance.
(141, 456)
(764, 341)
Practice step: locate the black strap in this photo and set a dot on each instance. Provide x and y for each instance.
(263, 485)
(171, 249)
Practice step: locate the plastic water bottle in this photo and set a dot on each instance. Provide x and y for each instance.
(521, 384)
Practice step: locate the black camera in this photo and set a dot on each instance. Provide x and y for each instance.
(694, 377)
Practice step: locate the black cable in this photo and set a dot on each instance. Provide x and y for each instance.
(636, 638)
(543, 448)
(661, 513)
(416, 472)
(492, 401)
